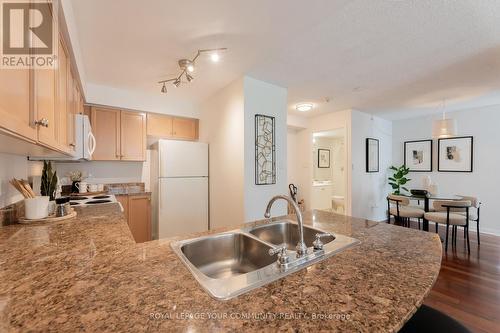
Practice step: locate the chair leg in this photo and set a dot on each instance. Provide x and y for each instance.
(436, 227)
(468, 243)
(418, 224)
(478, 242)
(446, 241)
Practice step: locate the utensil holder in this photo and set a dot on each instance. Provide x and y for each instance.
(36, 208)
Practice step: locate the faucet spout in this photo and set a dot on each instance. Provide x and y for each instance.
(301, 246)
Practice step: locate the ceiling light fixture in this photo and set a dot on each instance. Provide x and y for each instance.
(304, 107)
(215, 57)
(188, 65)
(445, 127)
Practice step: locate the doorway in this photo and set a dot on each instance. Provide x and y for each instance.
(329, 177)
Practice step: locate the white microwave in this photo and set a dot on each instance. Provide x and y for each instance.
(84, 138)
(85, 142)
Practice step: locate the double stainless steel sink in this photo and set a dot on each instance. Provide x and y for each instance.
(232, 263)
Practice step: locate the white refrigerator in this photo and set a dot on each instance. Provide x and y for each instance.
(179, 181)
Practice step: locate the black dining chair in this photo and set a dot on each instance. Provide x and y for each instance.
(429, 320)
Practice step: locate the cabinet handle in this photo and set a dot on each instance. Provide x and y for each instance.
(44, 122)
(72, 145)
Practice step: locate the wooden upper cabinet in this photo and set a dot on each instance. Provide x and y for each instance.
(16, 114)
(185, 128)
(62, 95)
(71, 110)
(45, 108)
(159, 125)
(139, 217)
(133, 136)
(106, 129)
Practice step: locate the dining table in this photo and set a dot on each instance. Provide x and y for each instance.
(427, 199)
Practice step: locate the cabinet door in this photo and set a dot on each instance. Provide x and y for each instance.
(71, 110)
(139, 217)
(62, 95)
(184, 128)
(106, 129)
(123, 199)
(133, 136)
(45, 106)
(16, 114)
(159, 125)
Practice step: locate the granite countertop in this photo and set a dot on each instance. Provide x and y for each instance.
(87, 274)
(132, 193)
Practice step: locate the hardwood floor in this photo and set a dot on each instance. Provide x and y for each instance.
(468, 286)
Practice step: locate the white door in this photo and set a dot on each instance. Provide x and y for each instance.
(183, 206)
(183, 158)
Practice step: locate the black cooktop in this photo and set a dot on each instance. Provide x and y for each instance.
(93, 202)
(77, 198)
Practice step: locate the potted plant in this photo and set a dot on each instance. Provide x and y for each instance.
(398, 179)
(49, 181)
(48, 184)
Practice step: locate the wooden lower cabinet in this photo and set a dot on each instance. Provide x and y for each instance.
(137, 211)
(123, 200)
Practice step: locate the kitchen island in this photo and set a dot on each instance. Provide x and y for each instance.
(88, 274)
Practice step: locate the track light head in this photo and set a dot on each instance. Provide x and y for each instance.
(177, 83)
(189, 77)
(164, 88)
(215, 57)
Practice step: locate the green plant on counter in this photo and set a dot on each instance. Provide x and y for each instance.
(49, 181)
(398, 179)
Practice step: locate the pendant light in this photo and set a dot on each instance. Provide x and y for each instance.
(445, 127)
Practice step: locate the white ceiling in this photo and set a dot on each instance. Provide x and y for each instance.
(387, 57)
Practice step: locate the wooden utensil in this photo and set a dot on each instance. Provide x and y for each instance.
(23, 187)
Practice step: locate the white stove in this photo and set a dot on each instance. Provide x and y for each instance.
(89, 200)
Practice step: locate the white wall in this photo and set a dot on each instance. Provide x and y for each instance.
(484, 182)
(292, 155)
(222, 126)
(148, 102)
(106, 172)
(264, 98)
(11, 166)
(369, 190)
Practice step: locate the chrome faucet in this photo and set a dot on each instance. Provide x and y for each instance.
(301, 246)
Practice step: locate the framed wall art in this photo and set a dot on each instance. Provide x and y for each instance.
(372, 155)
(265, 150)
(418, 155)
(323, 158)
(456, 154)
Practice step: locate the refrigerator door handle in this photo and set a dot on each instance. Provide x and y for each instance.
(159, 196)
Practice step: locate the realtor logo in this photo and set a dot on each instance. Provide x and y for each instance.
(27, 34)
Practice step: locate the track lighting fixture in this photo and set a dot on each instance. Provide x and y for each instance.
(188, 66)
(215, 57)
